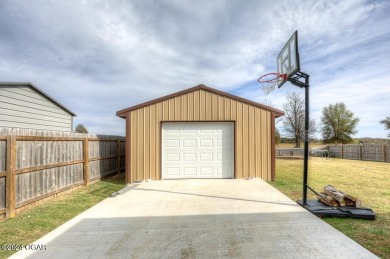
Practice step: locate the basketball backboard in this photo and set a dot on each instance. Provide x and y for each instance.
(288, 59)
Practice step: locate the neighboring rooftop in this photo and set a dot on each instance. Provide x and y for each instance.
(19, 84)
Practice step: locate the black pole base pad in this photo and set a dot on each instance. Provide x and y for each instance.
(321, 210)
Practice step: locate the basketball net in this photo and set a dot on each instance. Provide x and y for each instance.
(269, 81)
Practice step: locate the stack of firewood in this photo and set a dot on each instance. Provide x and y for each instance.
(333, 197)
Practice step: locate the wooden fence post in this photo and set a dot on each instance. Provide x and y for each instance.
(361, 152)
(342, 151)
(10, 186)
(385, 153)
(86, 161)
(118, 154)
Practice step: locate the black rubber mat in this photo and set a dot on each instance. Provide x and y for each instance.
(321, 210)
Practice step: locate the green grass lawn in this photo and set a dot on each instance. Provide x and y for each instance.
(32, 224)
(369, 181)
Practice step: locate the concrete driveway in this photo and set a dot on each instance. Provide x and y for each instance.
(197, 219)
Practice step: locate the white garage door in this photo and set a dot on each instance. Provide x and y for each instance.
(197, 150)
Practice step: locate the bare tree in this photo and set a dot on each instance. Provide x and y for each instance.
(269, 103)
(294, 118)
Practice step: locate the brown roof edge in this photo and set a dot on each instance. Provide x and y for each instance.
(121, 113)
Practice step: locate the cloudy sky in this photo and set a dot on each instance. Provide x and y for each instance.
(97, 57)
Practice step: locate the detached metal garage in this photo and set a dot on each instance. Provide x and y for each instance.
(200, 133)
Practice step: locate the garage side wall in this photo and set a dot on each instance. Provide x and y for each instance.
(253, 145)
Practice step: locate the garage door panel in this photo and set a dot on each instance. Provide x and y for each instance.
(189, 131)
(206, 143)
(206, 131)
(189, 157)
(172, 143)
(198, 150)
(206, 128)
(218, 131)
(190, 171)
(189, 143)
(209, 171)
(171, 130)
(173, 157)
(206, 157)
(173, 171)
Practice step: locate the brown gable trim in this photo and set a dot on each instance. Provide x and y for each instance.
(122, 113)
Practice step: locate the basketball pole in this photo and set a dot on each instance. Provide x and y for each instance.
(306, 147)
(288, 68)
(295, 80)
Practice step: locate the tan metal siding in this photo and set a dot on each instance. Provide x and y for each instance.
(252, 132)
(156, 175)
(128, 150)
(263, 122)
(152, 149)
(258, 147)
(245, 143)
(221, 108)
(190, 109)
(133, 146)
(251, 145)
(239, 139)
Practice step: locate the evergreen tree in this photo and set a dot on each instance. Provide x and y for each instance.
(80, 128)
(386, 122)
(277, 136)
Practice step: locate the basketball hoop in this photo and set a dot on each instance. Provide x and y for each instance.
(269, 81)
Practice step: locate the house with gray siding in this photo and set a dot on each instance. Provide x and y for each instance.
(23, 105)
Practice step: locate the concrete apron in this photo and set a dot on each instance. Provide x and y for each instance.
(197, 219)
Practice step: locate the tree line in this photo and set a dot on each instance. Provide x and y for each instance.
(338, 124)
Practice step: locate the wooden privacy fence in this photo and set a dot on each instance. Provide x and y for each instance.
(35, 167)
(289, 152)
(368, 152)
(299, 152)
